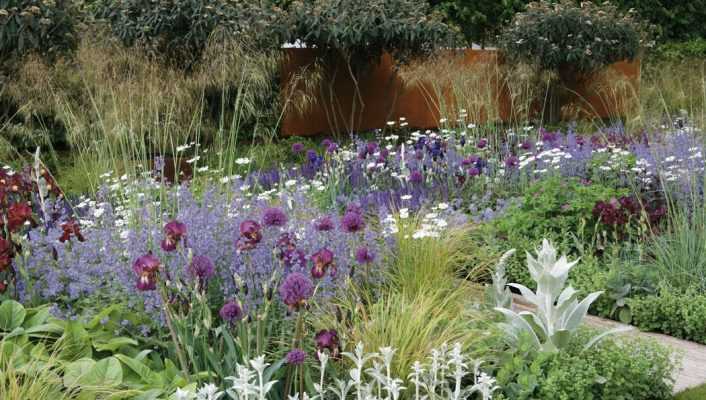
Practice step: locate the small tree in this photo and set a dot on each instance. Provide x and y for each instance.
(572, 40)
(360, 32)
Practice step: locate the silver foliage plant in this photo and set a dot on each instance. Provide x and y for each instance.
(558, 312)
(498, 293)
(445, 375)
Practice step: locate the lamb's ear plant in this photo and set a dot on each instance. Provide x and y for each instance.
(498, 294)
(558, 312)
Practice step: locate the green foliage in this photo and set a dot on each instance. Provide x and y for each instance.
(478, 21)
(620, 368)
(671, 311)
(44, 27)
(178, 31)
(675, 51)
(567, 37)
(361, 31)
(674, 19)
(556, 208)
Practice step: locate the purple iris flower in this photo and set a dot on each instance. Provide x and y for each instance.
(146, 267)
(322, 260)
(250, 235)
(174, 231)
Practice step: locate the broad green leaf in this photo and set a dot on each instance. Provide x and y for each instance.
(36, 317)
(75, 371)
(12, 314)
(75, 343)
(114, 344)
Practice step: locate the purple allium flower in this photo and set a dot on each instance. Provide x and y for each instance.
(416, 176)
(482, 143)
(322, 260)
(231, 312)
(146, 268)
(473, 171)
(328, 339)
(512, 162)
(331, 147)
(296, 290)
(371, 147)
(297, 148)
(326, 143)
(364, 256)
(296, 357)
(352, 222)
(274, 216)
(250, 235)
(324, 224)
(201, 267)
(174, 231)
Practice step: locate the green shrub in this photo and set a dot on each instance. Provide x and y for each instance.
(178, 31)
(677, 313)
(27, 26)
(361, 31)
(562, 35)
(479, 21)
(556, 208)
(674, 51)
(619, 368)
(674, 19)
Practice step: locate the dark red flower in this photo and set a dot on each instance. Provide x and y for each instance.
(17, 215)
(71, 228)
(6, 254)
(174, 231)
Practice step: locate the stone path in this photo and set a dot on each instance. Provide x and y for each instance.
(692, 371)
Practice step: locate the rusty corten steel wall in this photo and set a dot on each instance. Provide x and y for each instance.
(386, 97)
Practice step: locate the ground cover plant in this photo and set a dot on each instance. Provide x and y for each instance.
(159, 240)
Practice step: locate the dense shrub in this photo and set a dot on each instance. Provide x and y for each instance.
(361, 31)
(479, 21)
(695, 48)
(676, 313)
(675, 19)
(44, 27)
(613, 369)
(179, 30)
(564, 35)
(556, 208)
